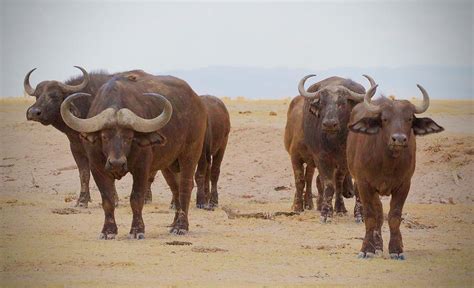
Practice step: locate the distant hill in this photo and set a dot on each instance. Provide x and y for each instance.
(265, 83)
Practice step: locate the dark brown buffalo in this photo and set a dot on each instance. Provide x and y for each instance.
(132, 127)
(49, 96)
(217, 134)
(316, 135)
(381, 155)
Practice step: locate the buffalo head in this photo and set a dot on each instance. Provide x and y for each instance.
(332, 104)
(395, 120)
(49, 96)
(117, 130)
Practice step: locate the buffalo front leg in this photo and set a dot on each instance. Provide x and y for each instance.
(395, 246)
(137, 200)
(106, 186)
(319, 200)
(370, 201)
(82, 162)
(299, 184)
(339, 206)
(308, 193)
(358, 209)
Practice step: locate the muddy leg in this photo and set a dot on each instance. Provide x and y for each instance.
(215, 172)
(107, 188)
(326, 208)
(299, 183)
(308, 193)
(395, 246)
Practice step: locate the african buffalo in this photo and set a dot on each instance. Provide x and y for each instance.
(381, 155)
(217, 134)
(49, 96)
(132, 127)
(315, 135)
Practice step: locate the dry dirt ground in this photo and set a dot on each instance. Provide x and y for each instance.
(45, 241)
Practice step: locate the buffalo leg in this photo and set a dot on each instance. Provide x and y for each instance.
(107, 190)
(370, 202)
(299, 183)
(172, 181)
(137, 200)
(215, 172)
(186, 183)
(149, 196)
(84, 173)
(395, 246)
(308, 193)
(339, 203)
(200, 177)
(358, 209)
(326, 208)
(319, 200)
(348, 188)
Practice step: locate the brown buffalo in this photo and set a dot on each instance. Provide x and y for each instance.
(49, 96)
(315, 135)
(381, 155)
(215, 143)
(141, 123)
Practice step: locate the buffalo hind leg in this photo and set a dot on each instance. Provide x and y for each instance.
(201, 179)
(107, 189)
(215, 172)
(395, 246)
(172, 181)
(358, 209)
(299, 183)
(149, 196)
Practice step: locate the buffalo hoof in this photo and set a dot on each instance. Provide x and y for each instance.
(378, 253)
(358, 219)
(213, 205)
(365, 255)
(178, 231)
(107, 236)
(201, 206)
(172, 206)
(81, 204)
(138, 236)
(397, 256)
(148, 201)
(341, 214)
(325, 219)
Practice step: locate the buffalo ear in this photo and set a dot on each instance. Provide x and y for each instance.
(367, 125)
(425, 126)
(148, 139)
(91, 138)
(314, 107)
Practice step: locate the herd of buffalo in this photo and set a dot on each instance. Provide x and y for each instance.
(141, 123)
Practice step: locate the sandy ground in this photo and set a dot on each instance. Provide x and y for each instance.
(39, 247)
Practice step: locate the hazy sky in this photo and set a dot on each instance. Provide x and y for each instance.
(159, 36)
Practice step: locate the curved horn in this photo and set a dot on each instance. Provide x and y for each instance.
(77, 88)
(126, 117)
(426, 101)
(357, 96)
(26, 84)
(367, 102)
(89, 125)
(301, 89)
